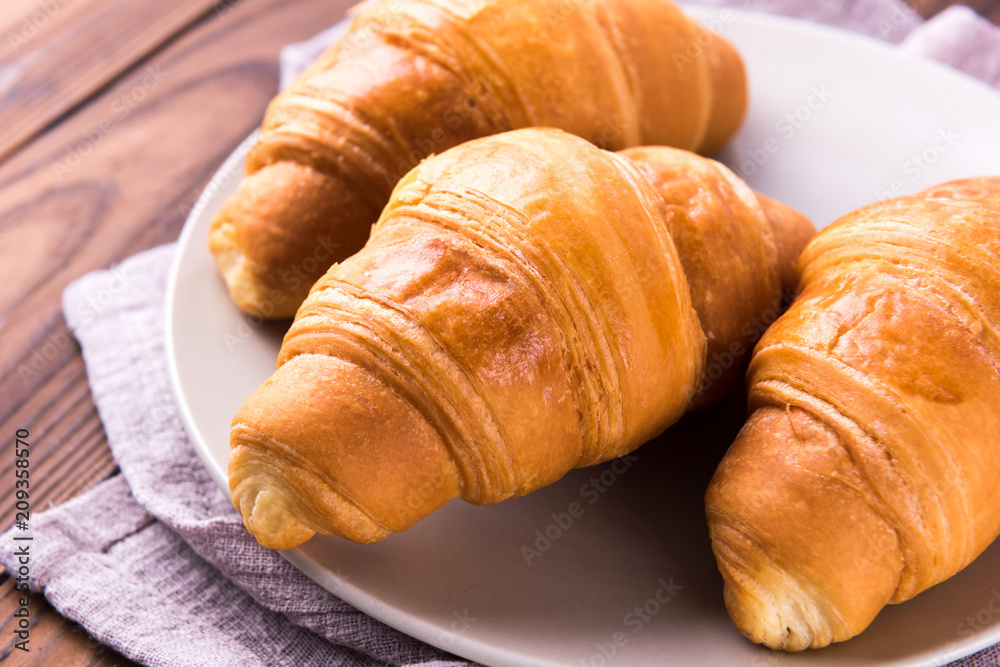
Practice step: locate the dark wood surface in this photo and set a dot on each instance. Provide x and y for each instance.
(113, 115)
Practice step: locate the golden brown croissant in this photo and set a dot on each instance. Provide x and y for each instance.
(521, 309)
(416, 77)
(868, 469)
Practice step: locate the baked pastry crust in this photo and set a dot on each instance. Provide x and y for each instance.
(867, 471)
(414, 78)
(520, 310)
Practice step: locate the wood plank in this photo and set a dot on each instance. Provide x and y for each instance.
(42, 79)
(68, 445)
(992, 12)
(990, 9)
(928, 8)
(65, 468)
(28, 24)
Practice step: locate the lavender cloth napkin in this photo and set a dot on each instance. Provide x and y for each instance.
(156, 563)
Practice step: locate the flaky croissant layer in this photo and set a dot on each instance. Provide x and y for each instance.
(521, 309)
(867, 471)
(413, 78)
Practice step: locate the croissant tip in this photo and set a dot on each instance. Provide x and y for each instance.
(268, 517)
(768, 604)
(243, 278)
(283, 512)
(776, 621)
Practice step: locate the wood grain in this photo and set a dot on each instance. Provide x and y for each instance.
(989, 9)
(26, 25)
(51, 62)
(92, 185)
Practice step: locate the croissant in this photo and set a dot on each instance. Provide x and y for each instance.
(521, 309)
(415, 77)
(868, 469)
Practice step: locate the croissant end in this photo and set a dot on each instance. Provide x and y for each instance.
(270, 265)
(819, 568)
(324, 409)
(768, 604)
(268, 516)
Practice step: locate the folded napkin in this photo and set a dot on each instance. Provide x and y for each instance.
(155, 561)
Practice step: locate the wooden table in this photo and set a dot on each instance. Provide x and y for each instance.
(113, 115)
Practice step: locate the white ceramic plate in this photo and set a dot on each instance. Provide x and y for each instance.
(836, 121)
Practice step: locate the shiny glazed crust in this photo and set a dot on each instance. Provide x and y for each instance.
(521, 309)
(867, 471)
(414, 78)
